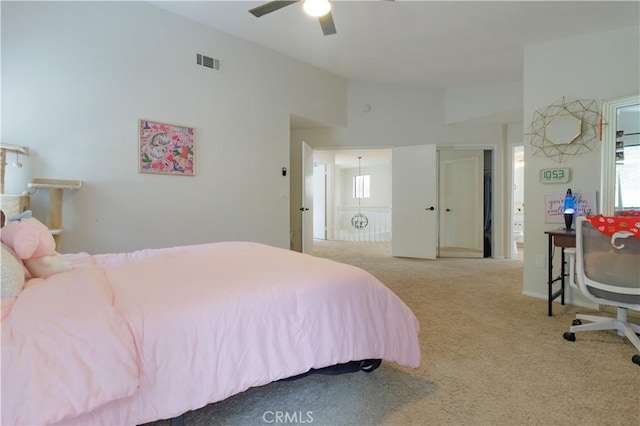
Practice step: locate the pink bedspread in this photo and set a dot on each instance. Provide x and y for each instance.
(65, 349)
(205, 322)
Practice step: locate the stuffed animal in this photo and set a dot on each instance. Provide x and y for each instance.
(11, 273)
(32, 242)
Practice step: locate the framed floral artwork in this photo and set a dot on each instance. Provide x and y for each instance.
(166, 149)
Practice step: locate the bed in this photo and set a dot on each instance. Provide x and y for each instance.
(130, 338)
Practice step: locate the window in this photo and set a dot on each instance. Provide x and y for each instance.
(627, 194)
(627, 185)
(361, 186)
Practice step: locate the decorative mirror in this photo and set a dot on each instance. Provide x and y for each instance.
(620, 187)
(565, 128)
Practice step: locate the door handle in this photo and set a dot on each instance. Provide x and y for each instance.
(303, 209)
(430, 208)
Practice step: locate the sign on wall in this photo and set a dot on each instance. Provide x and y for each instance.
(585, 202)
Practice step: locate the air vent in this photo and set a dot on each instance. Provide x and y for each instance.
(207, 61)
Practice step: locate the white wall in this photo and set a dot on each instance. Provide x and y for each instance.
(600, 66)
(398, 116)
(474, 103)
(77, 76)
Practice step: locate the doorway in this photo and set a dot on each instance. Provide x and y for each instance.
(465, 203)
(517, 197)
(355, 197)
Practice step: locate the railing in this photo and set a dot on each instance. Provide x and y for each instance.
(378, 224)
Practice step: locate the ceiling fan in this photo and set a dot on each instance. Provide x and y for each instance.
(319, 8)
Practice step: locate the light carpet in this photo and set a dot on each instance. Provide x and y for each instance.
(490, 356)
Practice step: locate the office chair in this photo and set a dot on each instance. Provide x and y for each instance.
(606, 267)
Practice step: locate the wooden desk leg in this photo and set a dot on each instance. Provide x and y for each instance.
(550, 276)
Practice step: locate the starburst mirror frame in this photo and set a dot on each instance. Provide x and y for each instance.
(565, 128)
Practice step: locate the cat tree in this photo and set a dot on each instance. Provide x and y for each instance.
(16, 204)
(12, 204)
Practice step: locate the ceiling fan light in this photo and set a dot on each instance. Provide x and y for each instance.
(316, 7)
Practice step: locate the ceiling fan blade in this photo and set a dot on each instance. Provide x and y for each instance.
(272, 6)
(327, 24)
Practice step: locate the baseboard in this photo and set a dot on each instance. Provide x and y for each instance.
(568, 300)
(536, 295)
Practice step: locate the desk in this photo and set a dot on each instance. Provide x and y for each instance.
(563, 239)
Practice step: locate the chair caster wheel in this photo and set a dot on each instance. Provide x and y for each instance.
(576, 322)
(569, 336)
(636, 359)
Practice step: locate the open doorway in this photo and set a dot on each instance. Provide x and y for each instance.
(465, 203)
(354, 189)
(517, 217)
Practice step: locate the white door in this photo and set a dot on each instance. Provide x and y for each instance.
(414, 202)
(306, 210)
(461, 203)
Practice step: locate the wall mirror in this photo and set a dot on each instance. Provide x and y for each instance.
(620, 186)
(563, 129)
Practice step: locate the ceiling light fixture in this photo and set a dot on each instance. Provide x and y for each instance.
(316, 8)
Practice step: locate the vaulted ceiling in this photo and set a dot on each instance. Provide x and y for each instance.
(436, 44)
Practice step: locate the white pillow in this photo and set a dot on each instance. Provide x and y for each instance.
(11, 273)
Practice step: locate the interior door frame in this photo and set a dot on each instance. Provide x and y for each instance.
(498, 194)
(477, 160)
(306, 207)
(510, 202)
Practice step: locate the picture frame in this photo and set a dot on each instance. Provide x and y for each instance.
(166, 149)
(585, 202)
